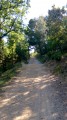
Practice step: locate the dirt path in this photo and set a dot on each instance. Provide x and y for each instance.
(34, 94)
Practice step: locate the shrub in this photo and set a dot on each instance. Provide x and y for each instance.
(57, 55)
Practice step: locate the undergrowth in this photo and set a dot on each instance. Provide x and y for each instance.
(6, 76)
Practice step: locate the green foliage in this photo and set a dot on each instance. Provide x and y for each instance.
(49, 34)
(30, 32)
(36, 33)
(22, 51)
(41, 58)
(56, 55)
(11, 15)
(58, 69)
(6, 76)
(11, 25)
(56, 28)
(34, 54)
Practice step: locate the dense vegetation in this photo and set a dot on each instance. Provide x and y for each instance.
(15, 49)
(49, 34)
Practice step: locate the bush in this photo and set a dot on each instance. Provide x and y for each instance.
(57, 55)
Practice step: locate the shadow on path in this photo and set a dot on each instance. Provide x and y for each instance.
(35, 94)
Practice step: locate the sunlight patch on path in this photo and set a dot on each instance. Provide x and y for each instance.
(35, 94)
(27, 113)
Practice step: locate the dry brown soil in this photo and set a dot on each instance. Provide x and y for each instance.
(34, 94)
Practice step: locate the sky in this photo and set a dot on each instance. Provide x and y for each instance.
(41, 7)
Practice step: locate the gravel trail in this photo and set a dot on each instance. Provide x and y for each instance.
(34, 94)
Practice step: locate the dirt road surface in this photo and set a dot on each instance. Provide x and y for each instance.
(34, 94)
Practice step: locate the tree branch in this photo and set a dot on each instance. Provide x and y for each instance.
(5, 34)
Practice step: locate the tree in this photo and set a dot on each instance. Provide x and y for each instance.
(49, 34)
(55, 22)
(56, 31)
(30, 32)
(37, 33)
(64, 43)
(11, 15)
(40, 30)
